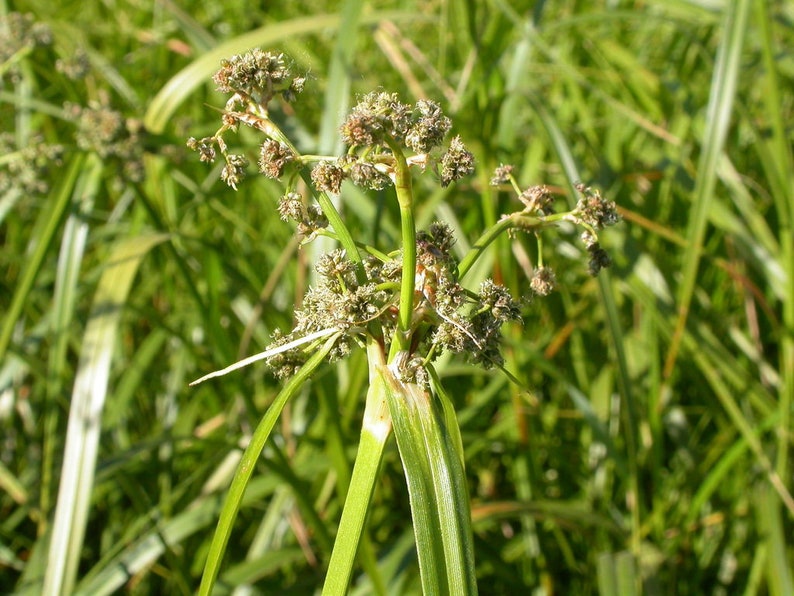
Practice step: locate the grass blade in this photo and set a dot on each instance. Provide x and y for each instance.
(85, 413)
(248, 462)
(44, 233)
(718, 120)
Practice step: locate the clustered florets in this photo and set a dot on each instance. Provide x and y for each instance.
(25, 169)
(380, 124)
(234, 170)
(340, 302)
(537, 199)
(377, 126)
(273, 158)
(456, 163)
(592, 212)
(385, 137)
(258, 76)
(446, 316)
(108, 133)
(309, 218)
(20, 33)
(327, 177)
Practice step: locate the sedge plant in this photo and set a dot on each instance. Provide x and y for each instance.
(404, 305)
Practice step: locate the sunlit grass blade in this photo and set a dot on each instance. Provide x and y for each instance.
(44, 232)
(617, 574)
(85, 414)
(770, 524)
(718, 119)
(778, 161)
(266, 354)
(70, 260)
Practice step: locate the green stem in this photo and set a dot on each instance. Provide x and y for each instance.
(514, 220)
(405, 198)
(325, 202)
(375, 431)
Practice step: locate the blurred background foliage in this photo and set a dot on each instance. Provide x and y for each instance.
(651, 442)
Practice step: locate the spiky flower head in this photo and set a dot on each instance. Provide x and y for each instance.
(594, 210)
(501, 175)
(456, 163)
(429, 127)
(258, 75)
(273, 158)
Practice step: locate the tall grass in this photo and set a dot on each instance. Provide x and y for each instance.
(648, 449)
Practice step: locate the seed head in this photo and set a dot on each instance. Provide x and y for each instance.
(366, 175)
(456, 163)
(204, 147)
(543, 282)
(327, 176)
(537, 199)
(599, 259)
(273, 157)
(375, 117)
(429, 128)
(501, 175)
(259, 75)
(234, 170)
(594, 210)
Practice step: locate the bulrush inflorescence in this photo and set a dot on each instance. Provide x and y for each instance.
(405, 304)
(362, 291)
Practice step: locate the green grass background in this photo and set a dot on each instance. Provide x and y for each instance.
(651, 443)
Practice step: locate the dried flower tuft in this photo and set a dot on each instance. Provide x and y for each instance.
(258, 75)
(501, 175)
(543, 282)
(456, 163)
(273, 158)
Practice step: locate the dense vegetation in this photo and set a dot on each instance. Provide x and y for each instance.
(649, 440)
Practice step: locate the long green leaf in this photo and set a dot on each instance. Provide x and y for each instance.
(437, 487)
(718, 120)
(70, 259)
(85, 413)
(49, 221)
(248, 462)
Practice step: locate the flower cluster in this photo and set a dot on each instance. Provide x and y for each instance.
(258, 76)
(108, 133)
(369, 299)
(340, 302)
(458, 320)
(24, 169)
(76, 66)
(592, 213)
(254, 79)
(380, 125)
(309, 218)
(445, 317)
(19, 34)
